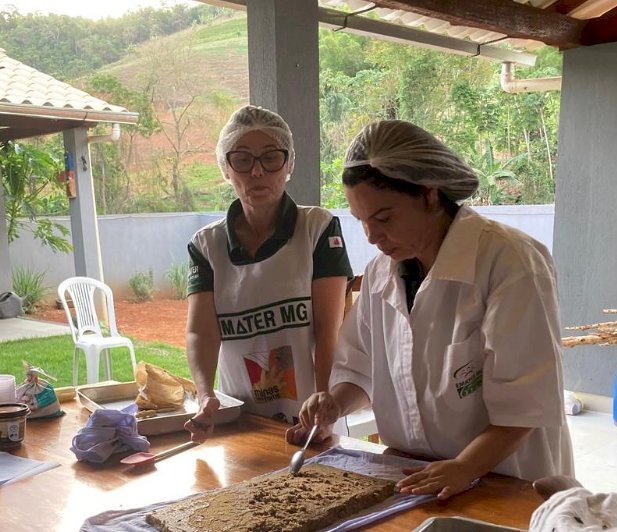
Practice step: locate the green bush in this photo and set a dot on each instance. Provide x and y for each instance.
(177, 275)
(28, 284)
(142, 285)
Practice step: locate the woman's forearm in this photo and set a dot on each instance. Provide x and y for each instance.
(491, 447)
(349, 398)
(202, 362)
(203, 342)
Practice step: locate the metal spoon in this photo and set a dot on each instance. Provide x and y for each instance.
(298, 457)
(144, 458)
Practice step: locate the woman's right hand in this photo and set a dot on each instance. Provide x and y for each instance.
(319, 409)
(201, 424)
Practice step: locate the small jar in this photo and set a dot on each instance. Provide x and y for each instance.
(12, 424)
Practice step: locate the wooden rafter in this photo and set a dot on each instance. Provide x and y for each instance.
(600, 30)
(550, 26)
(565, 6)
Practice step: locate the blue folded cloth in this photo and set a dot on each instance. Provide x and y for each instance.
(107, 432)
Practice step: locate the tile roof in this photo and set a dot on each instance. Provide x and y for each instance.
(21, 85)
(434, 25)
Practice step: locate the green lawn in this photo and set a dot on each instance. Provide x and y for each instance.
(55, 356)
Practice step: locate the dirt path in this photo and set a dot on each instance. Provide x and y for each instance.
(162, 320)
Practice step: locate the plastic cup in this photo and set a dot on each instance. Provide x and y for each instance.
(7, 389)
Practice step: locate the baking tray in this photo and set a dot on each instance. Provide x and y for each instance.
(461, 524)
(121, 395)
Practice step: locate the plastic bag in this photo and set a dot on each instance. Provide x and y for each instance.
(10, 305)
(159, 389)
(38, 394)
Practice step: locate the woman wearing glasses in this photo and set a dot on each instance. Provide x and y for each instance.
(266, 283)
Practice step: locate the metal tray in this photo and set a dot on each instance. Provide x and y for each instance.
(118, 396)
(461, 524)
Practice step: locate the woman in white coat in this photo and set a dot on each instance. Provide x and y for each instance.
(455, 338)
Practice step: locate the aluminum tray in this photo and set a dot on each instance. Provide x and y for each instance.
(461, 524)
(121, 395)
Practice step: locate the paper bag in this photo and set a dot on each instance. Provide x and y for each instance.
(159, 389)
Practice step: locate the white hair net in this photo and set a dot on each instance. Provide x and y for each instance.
(404, 151)
(251, 118)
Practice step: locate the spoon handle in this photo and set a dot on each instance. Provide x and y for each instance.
(310, 437)
(176, 449)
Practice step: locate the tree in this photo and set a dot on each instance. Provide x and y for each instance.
(509, 138)
(498, 184)
(110, 161)
(172, 80)
(28, 177)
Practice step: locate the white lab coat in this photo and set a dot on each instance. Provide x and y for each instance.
(481, 345)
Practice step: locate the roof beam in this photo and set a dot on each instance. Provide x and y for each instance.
(515, 20)
(333, 19)
(425, 39)
(600, 30)
(564, 6)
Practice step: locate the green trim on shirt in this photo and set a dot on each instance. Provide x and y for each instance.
(284, 229)
(330, 256)
(201, 275)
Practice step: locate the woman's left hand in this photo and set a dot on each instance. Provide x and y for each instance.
(444, 478)
(297, 434)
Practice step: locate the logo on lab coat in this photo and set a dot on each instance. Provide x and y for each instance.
(467, 379)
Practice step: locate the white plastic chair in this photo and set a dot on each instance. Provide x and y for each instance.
(86, 330)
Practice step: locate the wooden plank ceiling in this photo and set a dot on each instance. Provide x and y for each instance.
(561, 23)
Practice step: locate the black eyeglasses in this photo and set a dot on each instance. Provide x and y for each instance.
(270, 161)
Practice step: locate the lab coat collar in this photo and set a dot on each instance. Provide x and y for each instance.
(456, 259)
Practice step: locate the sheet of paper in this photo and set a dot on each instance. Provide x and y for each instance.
(14, 468)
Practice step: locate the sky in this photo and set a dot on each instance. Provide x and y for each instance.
(93, 9)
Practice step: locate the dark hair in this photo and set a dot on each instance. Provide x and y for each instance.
(372, 176)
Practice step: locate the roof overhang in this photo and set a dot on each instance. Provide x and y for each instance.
(523, 24)
(379, 29)
(24, 121)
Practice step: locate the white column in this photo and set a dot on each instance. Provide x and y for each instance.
(6, 282)
(283, 44)
(84, 226)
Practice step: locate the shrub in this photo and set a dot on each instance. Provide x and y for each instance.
(28, 284)
(177, 275)
(142, 285)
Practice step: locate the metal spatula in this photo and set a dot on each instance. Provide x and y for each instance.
(298, 457)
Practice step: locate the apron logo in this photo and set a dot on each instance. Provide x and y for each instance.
(467, 379)
(335, 241)
(286, 314)
(272, 374)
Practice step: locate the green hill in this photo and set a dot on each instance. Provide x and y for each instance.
(195, 78)
(217, 55)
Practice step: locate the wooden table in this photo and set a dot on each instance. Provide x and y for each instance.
(62, 498)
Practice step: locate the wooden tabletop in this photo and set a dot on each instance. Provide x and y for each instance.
(62, 498)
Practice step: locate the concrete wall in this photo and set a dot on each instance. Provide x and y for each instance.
(585, 247)
(535, 220)
(137, 242)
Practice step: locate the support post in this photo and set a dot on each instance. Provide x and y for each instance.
(283, 44)
(6, 283)
(84, 224)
